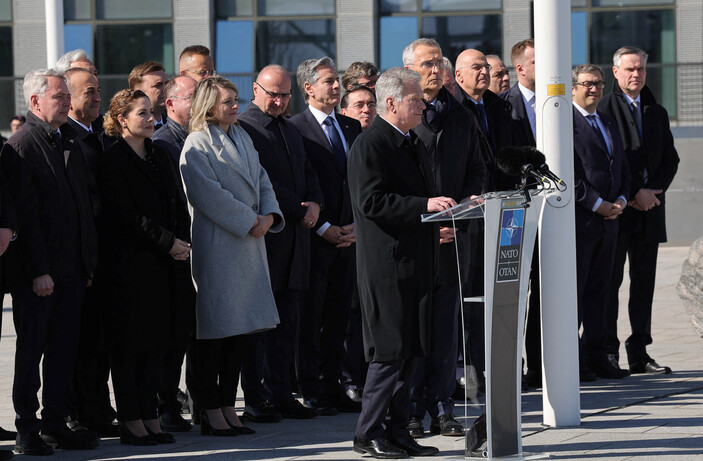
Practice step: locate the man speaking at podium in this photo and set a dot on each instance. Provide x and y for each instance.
(396, 259)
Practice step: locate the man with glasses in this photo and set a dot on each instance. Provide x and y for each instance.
(601, 188)
(195, 61)
(282, 154)
(649, 146)
(496, 127)
(449, 135)
(359, 102)
(171, 138)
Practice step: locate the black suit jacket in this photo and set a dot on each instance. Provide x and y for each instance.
(597, 174)
(655, 153)
(282, 154)
(395, 250)
(43, 178)
(501, 127)
(523, 133)
(92, 148)
(333, 182)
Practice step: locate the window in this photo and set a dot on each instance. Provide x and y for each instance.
(451, 22)
(7, 81)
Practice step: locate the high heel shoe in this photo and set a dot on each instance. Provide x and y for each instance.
(127, 438)
(241, 430)
(206, 428)
(161, 437)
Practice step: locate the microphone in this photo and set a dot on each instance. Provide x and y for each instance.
(544, 169)
(510, 160)
(529, 170)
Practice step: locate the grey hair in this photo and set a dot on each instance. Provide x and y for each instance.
(391, 84)
(72, 71)
(307, 72)
(36, 82)
(494, 56)
(409, 51)
(628, 50)
(585, 69)
(448, 65)
(64, 62)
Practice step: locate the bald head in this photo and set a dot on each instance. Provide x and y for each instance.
(473, 73)
(178, 92)
(272, 90)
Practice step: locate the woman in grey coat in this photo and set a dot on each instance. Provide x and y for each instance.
(233, 206)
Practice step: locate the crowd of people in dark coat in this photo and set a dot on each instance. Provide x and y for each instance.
(176, 228)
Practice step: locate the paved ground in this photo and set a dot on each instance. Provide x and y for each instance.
(642, 417)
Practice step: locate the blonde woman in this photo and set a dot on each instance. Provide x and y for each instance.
(233, 206)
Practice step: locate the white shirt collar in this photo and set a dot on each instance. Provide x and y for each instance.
(86, 128)
(527, 93)
(321, 116)
(583, 111)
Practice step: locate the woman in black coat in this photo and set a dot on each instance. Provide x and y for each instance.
(145, 233)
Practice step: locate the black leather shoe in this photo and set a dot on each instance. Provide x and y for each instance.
(411, 447)
(586, 375)
(7, 435)
(379, 448)
(295, 410)
(206, 428)
(415, 428)
(262, 412)
(650, 367)
(128, 438)
(476, 436)
(161, 437)
(173, 422)
(446, 425)
(322, 405)
(32, 444)
(6, 454)
(604, 369)
(66, 439)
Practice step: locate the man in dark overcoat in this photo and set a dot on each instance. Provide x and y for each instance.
(49, 265)
(282, 154)
(650, 151)
(396, 262)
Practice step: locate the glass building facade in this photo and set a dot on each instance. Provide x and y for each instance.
(245, 35)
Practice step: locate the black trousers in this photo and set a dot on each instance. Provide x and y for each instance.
(353, 364)
(135, 376)
(323, 320)
(170, 377)
(474, 312)
(89, 396)
(269, 354)
(533, 327)
(46, 327)
(434, 380)
(642, 255)
(219, 362)
(385, 406)
(594, 266)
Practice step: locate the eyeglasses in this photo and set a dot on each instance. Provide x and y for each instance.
(430, 65)
(203, 73)
(179, 97)
(274, 95)
(590, 85)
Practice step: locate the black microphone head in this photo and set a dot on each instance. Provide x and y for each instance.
(533, 156)
(510, 160)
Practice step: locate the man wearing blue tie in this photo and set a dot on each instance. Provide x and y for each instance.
(601, 188)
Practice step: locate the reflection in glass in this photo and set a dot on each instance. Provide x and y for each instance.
(579, 38)
(288, 43)
(631, 2)
(651, 30)
(231, 9)
(133, 9)
(460, 5)
(396, 33)
(7, 94)
(5, 10)
(579, 3)
(78, 36)
(118, 48)
(397, 6)
(6, 54)
(299, 7)
(74, 10)
(457, 33)
(234, 50)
